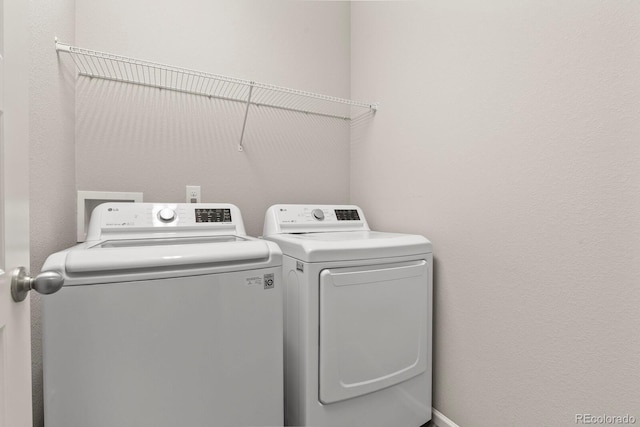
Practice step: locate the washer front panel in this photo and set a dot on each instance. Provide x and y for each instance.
(373, 322)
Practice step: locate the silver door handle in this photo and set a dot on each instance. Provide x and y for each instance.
(44, 283)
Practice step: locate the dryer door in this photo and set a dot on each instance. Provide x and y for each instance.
(373, 327)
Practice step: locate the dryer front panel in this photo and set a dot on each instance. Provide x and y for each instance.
(373, 327)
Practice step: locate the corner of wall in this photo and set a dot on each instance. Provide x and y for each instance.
(52, 156)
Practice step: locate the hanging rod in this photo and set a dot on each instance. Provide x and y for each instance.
(108, 66)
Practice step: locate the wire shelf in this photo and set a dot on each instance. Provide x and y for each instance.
(108, 66)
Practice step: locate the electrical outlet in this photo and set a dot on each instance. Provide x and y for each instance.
(193, 194)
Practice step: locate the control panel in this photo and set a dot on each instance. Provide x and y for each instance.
(213, 215)
(207, 218)
(347, 215)
(313, 218)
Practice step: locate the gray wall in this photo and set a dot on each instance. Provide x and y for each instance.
(106, 136)
(51, 154)
(132, 138)
(508, 134)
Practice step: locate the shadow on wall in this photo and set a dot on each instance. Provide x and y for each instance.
(361, 128)
(137, 138)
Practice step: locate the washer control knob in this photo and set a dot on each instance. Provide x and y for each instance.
(166, 215)
(318, 214)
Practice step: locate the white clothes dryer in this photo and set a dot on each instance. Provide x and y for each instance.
(169, 316)
(358, 313)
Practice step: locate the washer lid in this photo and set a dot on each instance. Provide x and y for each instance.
(350, 245)
(159, 241)
(164, 256)
(139, 259)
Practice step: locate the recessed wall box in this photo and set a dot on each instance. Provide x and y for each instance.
(88, 200)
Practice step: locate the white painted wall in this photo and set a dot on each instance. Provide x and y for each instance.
(51, 155)
(508, 134)
(97, 135)
(140, 139)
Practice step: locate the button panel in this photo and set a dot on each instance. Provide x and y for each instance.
(318, 214)
(149, 215)
(313, 218)
(167, 215)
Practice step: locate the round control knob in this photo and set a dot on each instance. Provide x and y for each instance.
(166, 215)
(318, 214)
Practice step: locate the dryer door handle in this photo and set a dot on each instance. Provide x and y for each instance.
(45, 283)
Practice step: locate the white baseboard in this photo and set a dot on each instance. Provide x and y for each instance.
(439, 420)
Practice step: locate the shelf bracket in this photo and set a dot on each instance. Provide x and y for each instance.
(246, 114)
(61, 47)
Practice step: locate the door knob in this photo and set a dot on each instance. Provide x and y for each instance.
(44, 283)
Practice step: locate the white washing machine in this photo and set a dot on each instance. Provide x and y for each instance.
(358, 310)
(169, 316)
